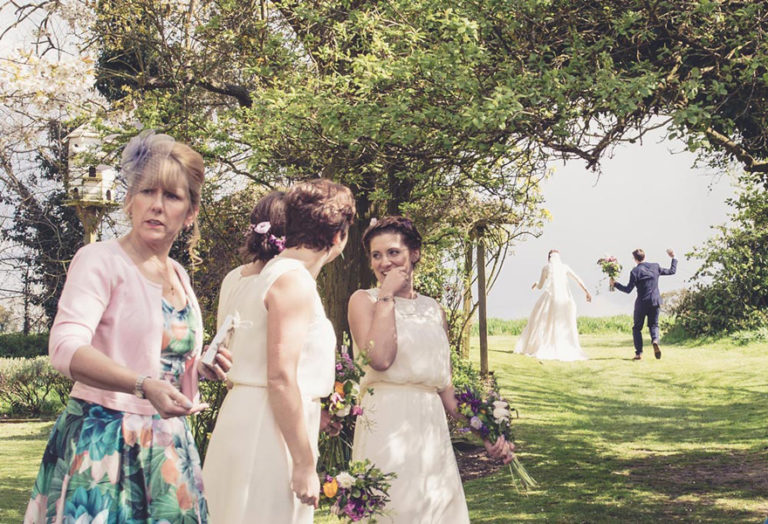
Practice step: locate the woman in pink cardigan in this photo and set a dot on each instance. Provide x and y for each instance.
(129, 332)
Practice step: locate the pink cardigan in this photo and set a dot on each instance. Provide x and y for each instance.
(109, 304)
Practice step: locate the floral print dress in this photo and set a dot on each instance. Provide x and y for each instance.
(108, 466)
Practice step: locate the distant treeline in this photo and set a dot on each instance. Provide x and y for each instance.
(587, 325)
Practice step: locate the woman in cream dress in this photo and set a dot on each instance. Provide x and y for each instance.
(551, 332)
(403, 428)
(260, 464)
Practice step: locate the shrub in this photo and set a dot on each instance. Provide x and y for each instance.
(212, 392)
(26, 383)
(586, 325)
(19, 345)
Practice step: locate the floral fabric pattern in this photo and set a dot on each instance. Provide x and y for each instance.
(108, 466)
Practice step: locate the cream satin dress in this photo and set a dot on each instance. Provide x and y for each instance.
(404, 428)
(247, 469)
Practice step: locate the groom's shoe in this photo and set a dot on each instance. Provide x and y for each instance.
(638, 356)
(656, 350)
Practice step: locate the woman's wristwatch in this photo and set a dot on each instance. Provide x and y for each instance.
(138, 388)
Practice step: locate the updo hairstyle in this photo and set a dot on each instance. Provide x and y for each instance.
(152, 160)
(393, 224)
(315, 211)
(264, 246)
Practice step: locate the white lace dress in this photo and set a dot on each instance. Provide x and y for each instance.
(247, 469)
(404, 429)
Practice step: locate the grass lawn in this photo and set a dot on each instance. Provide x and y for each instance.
(684, 438)
(681, 439)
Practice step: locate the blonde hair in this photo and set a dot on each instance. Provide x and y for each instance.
(164, 163)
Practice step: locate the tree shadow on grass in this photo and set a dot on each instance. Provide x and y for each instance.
(14, 493)
(43, 432)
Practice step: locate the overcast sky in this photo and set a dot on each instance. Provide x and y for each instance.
(648, 196)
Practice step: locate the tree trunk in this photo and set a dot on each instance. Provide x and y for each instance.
(481, 305)
(342, 277)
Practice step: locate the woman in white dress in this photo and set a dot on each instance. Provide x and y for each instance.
(264, 240)
(551, 332)
(260, 464)
(403, 428)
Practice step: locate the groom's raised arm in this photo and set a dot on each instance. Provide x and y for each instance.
(672, 268)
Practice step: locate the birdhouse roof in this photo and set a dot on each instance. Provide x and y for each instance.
(83, 131)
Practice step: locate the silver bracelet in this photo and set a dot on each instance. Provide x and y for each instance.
(138, 388)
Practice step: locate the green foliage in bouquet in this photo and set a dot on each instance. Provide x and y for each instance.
(360, 491)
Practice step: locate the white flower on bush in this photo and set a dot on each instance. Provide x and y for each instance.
(345, 480)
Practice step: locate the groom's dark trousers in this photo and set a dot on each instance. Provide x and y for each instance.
(645, 276)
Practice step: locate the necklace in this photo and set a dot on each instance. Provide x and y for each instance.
(163, 268)
(164, 274)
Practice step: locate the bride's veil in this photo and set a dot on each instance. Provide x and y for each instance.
(558, 279)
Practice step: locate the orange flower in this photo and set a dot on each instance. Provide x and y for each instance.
(330, 488)
(339, 388)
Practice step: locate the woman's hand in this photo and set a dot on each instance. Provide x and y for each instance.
(306, 484)
(221, 365)
(589, 297)
(328, 424)
(169, 401)
(500, 449)
(398, 279)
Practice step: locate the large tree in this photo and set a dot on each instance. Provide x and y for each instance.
(412, 102)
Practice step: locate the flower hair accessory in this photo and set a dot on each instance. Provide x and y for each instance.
(373, 222)
(145, 150)
(262, 228)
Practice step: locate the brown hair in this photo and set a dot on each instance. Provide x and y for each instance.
(264, 246)
(393, 224)
(549, 255)
(639, 255)
(315, 211)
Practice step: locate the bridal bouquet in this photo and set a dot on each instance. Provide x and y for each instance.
(610, 266)
(342, 405)
(490, 417)
(361, 491)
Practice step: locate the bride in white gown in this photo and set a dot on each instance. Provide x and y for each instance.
(551, 332)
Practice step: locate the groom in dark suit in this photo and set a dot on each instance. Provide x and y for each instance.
(645, 276)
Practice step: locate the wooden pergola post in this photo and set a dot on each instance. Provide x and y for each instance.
(481, 309)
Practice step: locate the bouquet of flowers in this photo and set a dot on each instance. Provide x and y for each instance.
(610, 266)
(342, 405)
(342, 402)
(361, 491)
(490, 418)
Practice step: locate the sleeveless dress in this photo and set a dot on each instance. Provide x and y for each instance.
(404, 428)
(248, 466)
(104, 465)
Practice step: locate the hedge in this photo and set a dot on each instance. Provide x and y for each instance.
(19, 345)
